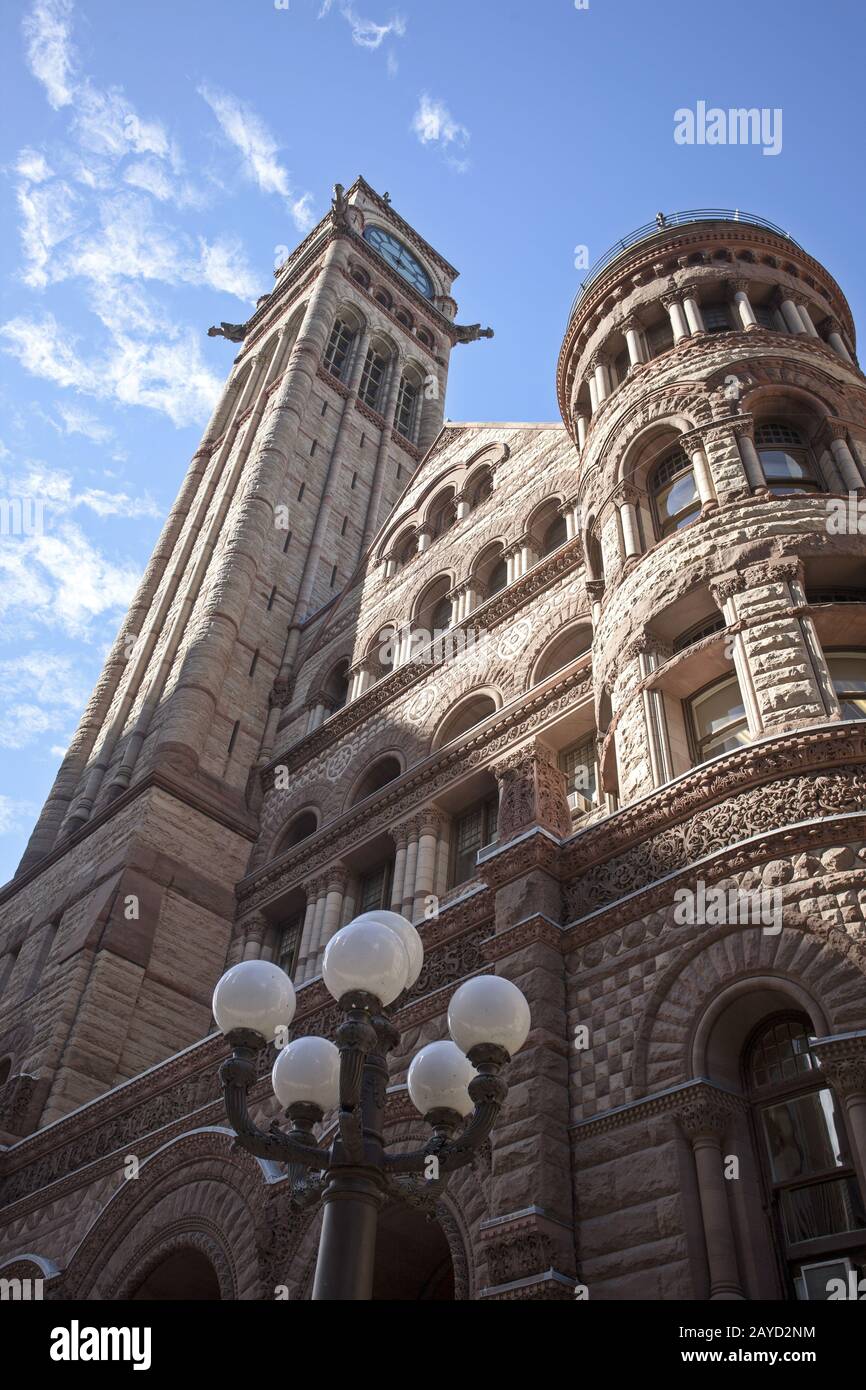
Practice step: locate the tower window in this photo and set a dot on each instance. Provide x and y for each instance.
(354, 480)
(425, 337)
(659, 338)
(313, 447)
(363, 442)
(407, 406)
(372, 378)
(255, 661)
(716, 317)
(383, 298)
(848, 673)
(333, 576)
(344, 525)
(786, 460)
(271, 598)
(674, 493)
(766, 317)
(324, 407)
(718, 719)
(339, 347)
(287, 542)
(404, 317)
(234, 735)
(301, 491)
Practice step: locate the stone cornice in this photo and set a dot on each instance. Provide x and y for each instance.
(680, 1100)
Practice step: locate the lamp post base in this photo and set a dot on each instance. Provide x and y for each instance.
(347, 1246)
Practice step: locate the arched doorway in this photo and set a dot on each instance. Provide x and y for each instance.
(184, 1276)
(413, 1260)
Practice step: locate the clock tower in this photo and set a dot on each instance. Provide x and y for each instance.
(123, 903)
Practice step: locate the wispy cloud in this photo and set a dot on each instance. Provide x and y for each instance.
(367, 34)
(40, 693)
(434, 125)
(15, 815)
(48, 36)
(166, 373)
(60, 580)
(260, 162)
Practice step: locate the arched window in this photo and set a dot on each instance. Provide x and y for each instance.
(717, 719)
(816, 1204)
(465, 717)
(379, 775)
(337, 686)
(564, 649)
(373, 375)
(434, 609)
(360, 276)
(339, 348)
(383, 298)
(786, 459)
(555, 535)
(300, 829)
(408, 398)
(442, 515)
(288, 942)
(426, 337)
(374, 887)
(479, 488)
(405, 550)
(848, 673)
(717, 318)
(403, 316)
(676, 500)
(498, 577)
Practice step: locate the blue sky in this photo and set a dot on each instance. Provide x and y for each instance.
(156, 157)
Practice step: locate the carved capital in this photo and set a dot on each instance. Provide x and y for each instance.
(532, 791)
(843, 1062)
(706, 1114)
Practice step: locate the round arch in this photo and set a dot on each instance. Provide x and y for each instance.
(472, 709)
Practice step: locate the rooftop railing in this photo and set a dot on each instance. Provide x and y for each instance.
(663, 222)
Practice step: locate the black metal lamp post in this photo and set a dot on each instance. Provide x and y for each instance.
(456, 1085)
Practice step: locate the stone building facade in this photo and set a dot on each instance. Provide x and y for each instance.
(585, 700)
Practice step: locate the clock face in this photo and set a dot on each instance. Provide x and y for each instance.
(397, 255)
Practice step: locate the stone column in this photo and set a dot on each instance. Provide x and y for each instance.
(694, 317)
(843, 1061)
(328, 910)
(400, 835)
(429, 822)
(628, 503)
(836, 341)
(675, 313)
(425, 537)
(837, 434)
(407, 903)
(701, 468)
(463, 507)
(724, 592)
(743, 304)
(602, 377)
(631, 328)
(312, 890)
(704, 1119)
(791, 315)
(809, 326)
(532, 792)
(752, 467)
(649, 657)
(593, 393)
(595, 593)
(580, 424)
(317, 892)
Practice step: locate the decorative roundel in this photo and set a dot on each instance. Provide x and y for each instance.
(401, 258)
(515, 639)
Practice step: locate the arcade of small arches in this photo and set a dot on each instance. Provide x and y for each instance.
(708, 304)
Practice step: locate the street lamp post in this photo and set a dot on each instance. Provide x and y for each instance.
(456, 1085)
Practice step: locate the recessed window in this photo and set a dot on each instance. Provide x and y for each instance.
(383, 772)
(404, 317)
(498, 577)
(718, 719)
(472, 831)
(659, 338)
(555, 535)
(407, 408)
(442, 516)
(675, 493)
(288, 941)
(580, 765)
(480, 489)
(383, 298)
(848, 673)
(808, 1172)
(716, 317)
(786, 460)
(705, 628)
(339, 347)
(766, 317)
(372, 377)
(374, 889)
(425, 337)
